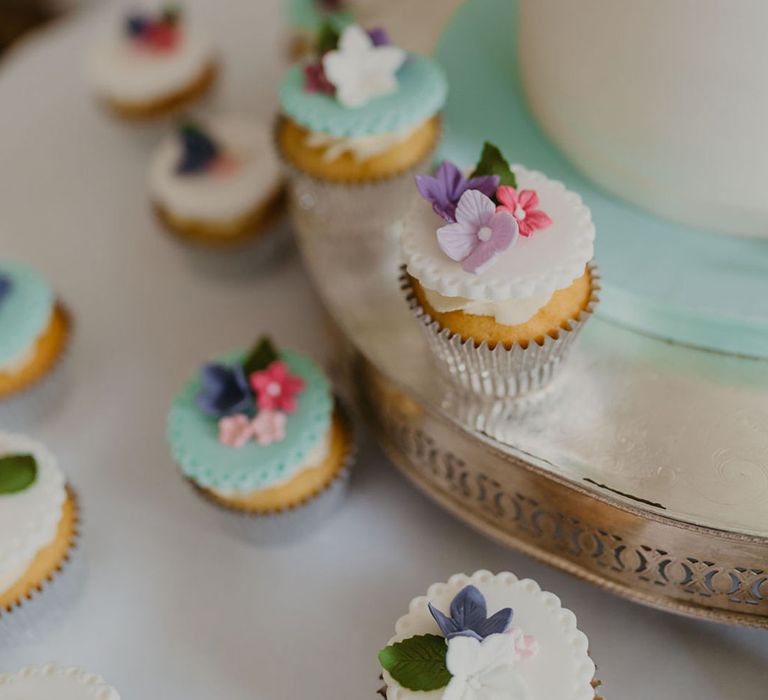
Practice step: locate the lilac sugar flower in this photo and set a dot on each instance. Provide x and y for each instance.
(5, 286)
(379, 36)
(479, 234)
(469, 616)
(445, 189)
(224, 390)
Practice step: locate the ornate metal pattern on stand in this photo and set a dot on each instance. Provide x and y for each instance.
(651, 559)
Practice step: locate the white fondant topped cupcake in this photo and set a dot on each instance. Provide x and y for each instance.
(32, 495)
(51, 682)
(151, 62)
(217, 172)
(486, 637)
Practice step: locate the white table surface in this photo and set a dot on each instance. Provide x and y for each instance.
(173, 607)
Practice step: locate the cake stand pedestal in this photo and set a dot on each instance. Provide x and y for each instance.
(645, 473)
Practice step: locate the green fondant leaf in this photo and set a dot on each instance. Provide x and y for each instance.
(493, 163)
(417, 663)
(261, 357)
(17, 472)
(327, 38)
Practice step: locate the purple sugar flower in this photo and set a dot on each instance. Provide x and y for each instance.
(469, 617)
(379, 36)
(444, 190)
(479, 234)
(224, 390)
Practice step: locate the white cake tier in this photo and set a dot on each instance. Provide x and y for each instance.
(661, 103)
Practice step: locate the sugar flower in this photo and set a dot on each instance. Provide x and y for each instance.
(479, 234)
(276, 389)
(269, 427)
(361, 70)
(469, 616)
(235, 431)
(315, 79)
(522, 205)
(199, 151)
(484, 670)
(224, 390)
(158, 34)
(448, 184)
(5, 286)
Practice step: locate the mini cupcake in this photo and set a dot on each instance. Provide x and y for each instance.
(357, 118)
(488, 636)
(259, 434)
(38, 527)
(217, 184)
(499, 273)
(155, 65)
(52, 681)
(34, 327)
(307, 17)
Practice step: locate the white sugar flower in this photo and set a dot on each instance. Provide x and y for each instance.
(359, 70)
(485, 670)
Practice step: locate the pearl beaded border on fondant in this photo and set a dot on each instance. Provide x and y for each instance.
(572, 673)
(25, 312)
(536, 266)
(193, 436)
(61, 683)
(421, 94)
(29, 519)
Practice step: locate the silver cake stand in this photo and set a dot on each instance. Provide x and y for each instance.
(644, 472)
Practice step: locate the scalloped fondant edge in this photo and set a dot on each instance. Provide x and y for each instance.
(582, 687)
(558, 276)
(97, 686)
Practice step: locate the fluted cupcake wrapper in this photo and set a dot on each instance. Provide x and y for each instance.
(338, 209)
(277, 527)
(499, 374)
(28, 621)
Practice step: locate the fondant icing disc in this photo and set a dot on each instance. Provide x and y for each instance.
(659, 277)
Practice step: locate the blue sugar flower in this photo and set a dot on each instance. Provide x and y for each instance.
(5, 286)
(469, 617)
(224, 390)
(199, 150)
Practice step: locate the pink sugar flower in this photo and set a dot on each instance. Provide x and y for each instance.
(236, 430)
(479, 234)
(268, 427)
(522, 205)
(276, 389)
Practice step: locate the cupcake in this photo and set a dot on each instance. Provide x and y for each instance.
(259, 434)
(38, 526)
(34, 327)
(52, 681)
(153, 66)
(306, 17)
(217, 183)
(360, 111)
(498, 271)
(488, 636)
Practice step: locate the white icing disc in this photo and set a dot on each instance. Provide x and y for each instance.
(29, 519)
(560, 669)
(53, 682)
(213, 196)
(537, 266)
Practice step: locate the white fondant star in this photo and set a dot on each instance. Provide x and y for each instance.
(485, 670)
(361, 71)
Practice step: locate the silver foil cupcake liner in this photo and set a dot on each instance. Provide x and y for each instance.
(499, 376)
(29, 621)
(349, 209)
(286, 525)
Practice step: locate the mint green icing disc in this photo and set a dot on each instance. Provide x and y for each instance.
(421, 93)
(25, 312)
(194, 436)
(306, 14)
